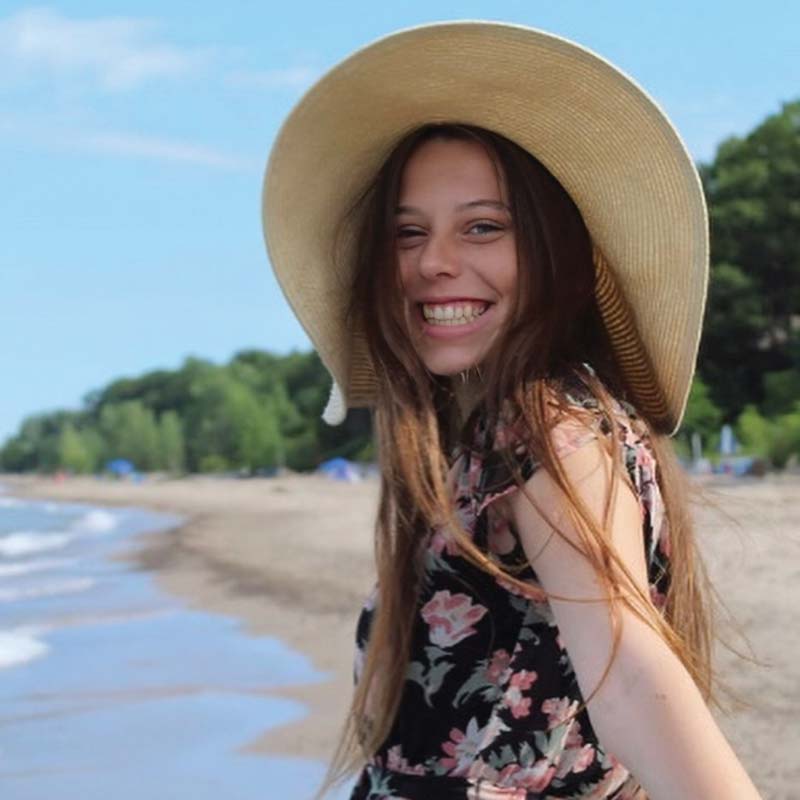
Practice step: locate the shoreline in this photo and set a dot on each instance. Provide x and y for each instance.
(218, 560)
(291, 558)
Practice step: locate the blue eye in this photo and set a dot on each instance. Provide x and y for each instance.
(482, 228)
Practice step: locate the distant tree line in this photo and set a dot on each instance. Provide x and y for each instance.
(262, 411)
(259, 412)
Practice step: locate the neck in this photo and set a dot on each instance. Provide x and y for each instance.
(467, 387)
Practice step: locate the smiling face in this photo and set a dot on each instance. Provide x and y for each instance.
(456, 252)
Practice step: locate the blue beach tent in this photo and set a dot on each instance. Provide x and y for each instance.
(340, 469)
(120, 467)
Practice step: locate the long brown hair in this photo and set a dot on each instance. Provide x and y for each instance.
(555, 324)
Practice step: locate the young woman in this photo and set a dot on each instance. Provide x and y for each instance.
(540, 624)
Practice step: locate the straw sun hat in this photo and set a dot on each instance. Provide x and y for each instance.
(605, 140)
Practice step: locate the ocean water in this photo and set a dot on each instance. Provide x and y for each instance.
(111, 688)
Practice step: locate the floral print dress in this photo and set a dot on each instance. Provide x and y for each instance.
(489, 690)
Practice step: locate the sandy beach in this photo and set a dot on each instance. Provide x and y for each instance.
(292, 558)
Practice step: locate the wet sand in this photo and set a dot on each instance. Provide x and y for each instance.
(292, 558)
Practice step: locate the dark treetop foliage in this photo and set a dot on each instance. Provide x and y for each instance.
(750, 351)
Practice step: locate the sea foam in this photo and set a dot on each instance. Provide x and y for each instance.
(20, 645)
(70, 586)
(36, 565)
(23, 543)
(95, 521)
(11, 502)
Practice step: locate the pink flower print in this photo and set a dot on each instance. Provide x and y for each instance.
(450, 618)
(571, 434)
(440, 543)
(437, 542)
(632, 790)
(534, 778)
(575, 759)
(472, 475)
(574, 738)
(658, 599)
(506, 436)
(664, 543)
(584, 757)
(484, 792)
(523, 679)
(644, 461)
(483, 779)
(498, 666)
(454, 474)
(501, 540)
(520, 681)
(396, 763)
(558, 709)
(463, 747)
(529, 590)
(612, 781)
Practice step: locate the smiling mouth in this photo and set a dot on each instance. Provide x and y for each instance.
(452, 314)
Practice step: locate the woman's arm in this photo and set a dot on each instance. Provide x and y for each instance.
(648, 712)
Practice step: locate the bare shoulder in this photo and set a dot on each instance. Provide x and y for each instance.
(555, 540)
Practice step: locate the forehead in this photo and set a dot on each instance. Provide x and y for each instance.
(456, 167)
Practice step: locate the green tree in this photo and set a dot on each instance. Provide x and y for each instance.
(172, 455)
(260, 410)
(781, 391)
(786, 437)
(36, 445)
(702, 415)
(73, 452)
(256, 435)
(213, 463)
(754, 432)
(131, 432)
(227, 419)
(731, 347)
(95, 444)
(753, 189)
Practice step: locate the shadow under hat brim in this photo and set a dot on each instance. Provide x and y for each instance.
(606, 141)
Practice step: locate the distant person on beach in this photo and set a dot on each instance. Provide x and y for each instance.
(497, 241)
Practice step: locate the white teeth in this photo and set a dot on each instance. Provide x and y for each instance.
(455, 314)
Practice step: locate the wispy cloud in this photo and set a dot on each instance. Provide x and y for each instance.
(59, 69)
(47, 132)
(157, 148)
(115, 53)
(282, 78)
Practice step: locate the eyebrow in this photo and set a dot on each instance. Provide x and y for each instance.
(496, 204)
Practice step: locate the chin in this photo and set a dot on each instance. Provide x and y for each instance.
(450, 363)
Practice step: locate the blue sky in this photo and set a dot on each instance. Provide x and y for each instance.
(133, 137)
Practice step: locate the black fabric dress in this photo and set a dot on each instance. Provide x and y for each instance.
(489, 686)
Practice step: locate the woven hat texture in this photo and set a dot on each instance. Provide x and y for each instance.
(606, 141)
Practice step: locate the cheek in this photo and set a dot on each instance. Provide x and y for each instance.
(508, 272)
(404, 275)
(404, 269)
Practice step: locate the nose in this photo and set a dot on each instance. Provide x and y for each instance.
(438, 257)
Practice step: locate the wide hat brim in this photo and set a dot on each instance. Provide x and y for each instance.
(607, 142)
